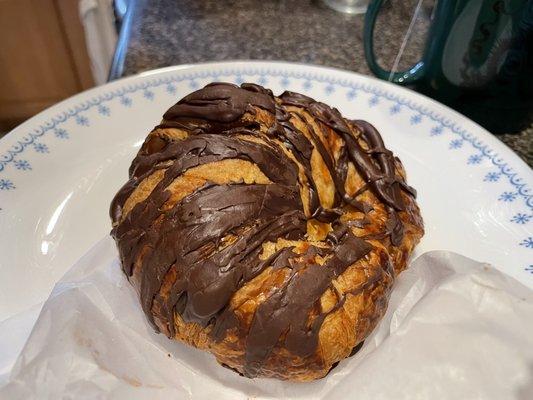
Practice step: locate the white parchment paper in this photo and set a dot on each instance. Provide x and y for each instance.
(454, 329)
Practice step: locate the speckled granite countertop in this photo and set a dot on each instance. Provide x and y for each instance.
(160, 33)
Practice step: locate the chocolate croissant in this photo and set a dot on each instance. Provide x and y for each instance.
(265, 230)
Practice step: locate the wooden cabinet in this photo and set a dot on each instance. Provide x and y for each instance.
(43, 57)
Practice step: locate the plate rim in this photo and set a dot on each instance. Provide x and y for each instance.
(181, 67)
(456, 120)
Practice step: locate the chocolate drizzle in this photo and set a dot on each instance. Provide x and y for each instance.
(182, 246)
(286, 310)
(376, 165)
(221, 103)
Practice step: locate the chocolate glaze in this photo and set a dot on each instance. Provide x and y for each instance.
(376, 165)
(220, 103)
(181, 245)
(286, 310)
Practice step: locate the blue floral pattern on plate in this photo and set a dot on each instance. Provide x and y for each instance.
(6, 184)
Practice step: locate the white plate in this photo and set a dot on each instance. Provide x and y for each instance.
(60, 169)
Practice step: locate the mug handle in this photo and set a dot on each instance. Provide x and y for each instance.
(408, 76)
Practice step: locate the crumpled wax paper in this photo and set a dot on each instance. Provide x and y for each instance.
(454, 329)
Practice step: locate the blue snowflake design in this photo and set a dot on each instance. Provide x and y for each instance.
(194, 85)
(263, 80)
(82, 120)
(329, 89)
(351, 95)
(492, 177)
(40, 148)
(171, 89)
(415, 119)
(474, 159)
(437, 130)
(307, 85)
(456, 144)
(527, 243)
(6, 184)
(148, 95)
(60, 133)
(374, 101)
(507, 196)
(529, 269)
(239, 80)
(126, 101)
(284, 82)
(22, 165)
(521, 218)
(395, 109)
(104, 110)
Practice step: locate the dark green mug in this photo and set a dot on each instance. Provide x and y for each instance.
(478, 59)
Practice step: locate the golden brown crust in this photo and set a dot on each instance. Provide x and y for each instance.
(355, 300)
